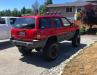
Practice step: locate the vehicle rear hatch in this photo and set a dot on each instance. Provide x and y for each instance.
(24, 29)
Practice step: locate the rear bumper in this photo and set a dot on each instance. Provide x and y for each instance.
(33, 44)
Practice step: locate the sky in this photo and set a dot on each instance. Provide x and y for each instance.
(11, 4)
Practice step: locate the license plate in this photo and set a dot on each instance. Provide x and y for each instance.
(22, 33)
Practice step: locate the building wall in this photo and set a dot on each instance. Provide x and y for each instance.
(90, 0)
(63, 12)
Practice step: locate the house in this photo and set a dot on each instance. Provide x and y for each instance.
(69, 9)
(92, 1)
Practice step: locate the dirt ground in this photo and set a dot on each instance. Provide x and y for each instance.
(83, 64)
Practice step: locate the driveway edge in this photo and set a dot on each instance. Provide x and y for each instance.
(58, 70)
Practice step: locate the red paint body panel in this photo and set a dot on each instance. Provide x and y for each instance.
(31, 34)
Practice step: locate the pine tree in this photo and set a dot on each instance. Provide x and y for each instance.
(15, 12)
(23, 10)
(48, 2)
(7, 12)
(43, 8)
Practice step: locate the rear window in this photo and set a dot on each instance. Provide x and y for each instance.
(2, 21)
(27, 23)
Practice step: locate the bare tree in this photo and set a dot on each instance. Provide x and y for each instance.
(35, 7)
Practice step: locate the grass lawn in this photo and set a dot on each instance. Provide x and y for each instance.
(83, 64)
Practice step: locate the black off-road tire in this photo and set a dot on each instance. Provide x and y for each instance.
(24, 51)
(76, 40)
(51, 51)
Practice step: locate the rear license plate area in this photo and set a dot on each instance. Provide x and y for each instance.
(21, 34)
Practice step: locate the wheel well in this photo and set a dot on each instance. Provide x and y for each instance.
(77, 31)
(53, 39)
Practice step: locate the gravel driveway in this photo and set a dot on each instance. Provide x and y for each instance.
(12, 63)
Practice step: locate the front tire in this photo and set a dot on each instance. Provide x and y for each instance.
(76, 40)
(24, 51)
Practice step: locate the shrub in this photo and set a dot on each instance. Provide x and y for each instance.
(82, 30)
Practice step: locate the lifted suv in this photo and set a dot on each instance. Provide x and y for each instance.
(44, 32)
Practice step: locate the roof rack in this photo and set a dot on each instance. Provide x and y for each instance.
(53, 13)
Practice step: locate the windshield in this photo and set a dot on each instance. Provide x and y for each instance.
(28, 23)
(2, 21)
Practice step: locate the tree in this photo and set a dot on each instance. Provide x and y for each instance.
(2, 13)
(48, 2)
(23, 10)
(7, 13)
(43, 8)
(29, 11)
(15, 12)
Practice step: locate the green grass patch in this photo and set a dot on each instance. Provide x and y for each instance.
(82, 30)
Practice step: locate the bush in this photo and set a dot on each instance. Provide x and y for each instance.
(82, 30)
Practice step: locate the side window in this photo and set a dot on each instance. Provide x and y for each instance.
(12, 20)
(2, 21)
(65, 22)
(44, 23)
(69, 9)
(57, 22)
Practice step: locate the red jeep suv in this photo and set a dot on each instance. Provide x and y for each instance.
(44, 33)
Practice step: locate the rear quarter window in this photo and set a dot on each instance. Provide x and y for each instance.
(57, 22)
(44, 23)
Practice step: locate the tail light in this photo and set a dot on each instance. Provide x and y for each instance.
(12, 34)
(37, 35)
